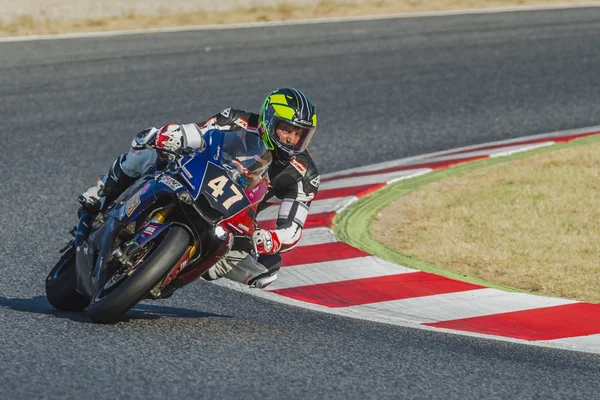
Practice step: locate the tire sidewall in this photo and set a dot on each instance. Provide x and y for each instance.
(147, 275)
(61, 291)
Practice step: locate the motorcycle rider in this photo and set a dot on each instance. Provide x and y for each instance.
(286, 122)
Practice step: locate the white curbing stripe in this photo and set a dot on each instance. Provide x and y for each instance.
(449, 306)
(316, 236)
(336, 271)
(589, 343)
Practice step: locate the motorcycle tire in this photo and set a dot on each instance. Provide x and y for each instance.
(61, 285)
(109, 309)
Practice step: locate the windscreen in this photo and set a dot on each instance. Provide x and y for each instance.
(245, 158)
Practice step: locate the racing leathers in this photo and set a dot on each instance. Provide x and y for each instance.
(293, 181)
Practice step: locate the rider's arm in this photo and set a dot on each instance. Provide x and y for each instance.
(293, 211)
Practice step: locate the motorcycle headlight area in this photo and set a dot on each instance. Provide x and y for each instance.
(221, 233)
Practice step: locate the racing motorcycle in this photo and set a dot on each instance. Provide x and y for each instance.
(166, 230)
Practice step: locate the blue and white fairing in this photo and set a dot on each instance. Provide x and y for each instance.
(146, 191)
(231, 164)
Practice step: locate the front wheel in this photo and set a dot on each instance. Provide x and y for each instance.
(61, 285)
(124, 290)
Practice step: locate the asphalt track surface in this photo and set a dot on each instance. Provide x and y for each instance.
(384, 89)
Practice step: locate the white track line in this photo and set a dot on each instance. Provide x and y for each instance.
(421, 158)
(370, 179)
(297, 22)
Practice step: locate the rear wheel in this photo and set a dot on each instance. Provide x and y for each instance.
(127, 286)
(61, 285)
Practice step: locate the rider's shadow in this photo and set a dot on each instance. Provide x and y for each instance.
(39, 305)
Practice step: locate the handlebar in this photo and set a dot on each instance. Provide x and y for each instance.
(174, 157)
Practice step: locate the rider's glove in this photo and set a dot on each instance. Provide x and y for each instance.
(169, 138)
(266, 241)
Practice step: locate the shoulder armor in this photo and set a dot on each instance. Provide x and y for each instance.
(231, 119)
(310, 177)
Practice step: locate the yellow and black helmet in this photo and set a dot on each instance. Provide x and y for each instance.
(290, 106)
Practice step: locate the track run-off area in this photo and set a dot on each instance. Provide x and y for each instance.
(385, 90)
(342, 272)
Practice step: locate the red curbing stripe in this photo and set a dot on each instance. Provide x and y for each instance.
(375, 290)
(321, 253)
(558, 139)
(433, 165)
(577, 319)
(319, 220)
(357, 191)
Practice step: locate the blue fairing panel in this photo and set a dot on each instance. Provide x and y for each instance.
(194, 168)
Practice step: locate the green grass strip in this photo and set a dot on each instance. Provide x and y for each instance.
(353, 225)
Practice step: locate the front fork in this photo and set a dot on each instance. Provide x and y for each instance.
(149, 230)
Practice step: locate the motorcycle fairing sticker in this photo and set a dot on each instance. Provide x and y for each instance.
(171, 183)
(221, 192)
(132, 203)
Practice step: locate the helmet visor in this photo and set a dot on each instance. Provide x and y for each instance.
(293, 137)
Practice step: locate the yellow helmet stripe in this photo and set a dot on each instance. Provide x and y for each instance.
(284, 111)
(278, 99)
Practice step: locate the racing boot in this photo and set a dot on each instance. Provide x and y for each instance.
(242, 267)
(272, 262)
(107, 189)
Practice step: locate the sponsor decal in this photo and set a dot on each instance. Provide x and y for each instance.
(226, 112)
(170, 182)
(186, 172)
(235, 227)
(241, 122)
(244, 227)
(149, 231)
(315, 182)
(145, 188)
(178, 268)
(183, 264)
(216, 156)
(132, 203)
(299, 166)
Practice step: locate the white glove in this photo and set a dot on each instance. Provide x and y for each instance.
(169, 137)
(266, 241)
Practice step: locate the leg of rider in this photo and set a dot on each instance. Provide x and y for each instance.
(122, 174)
(241, 267)
(271, 261)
